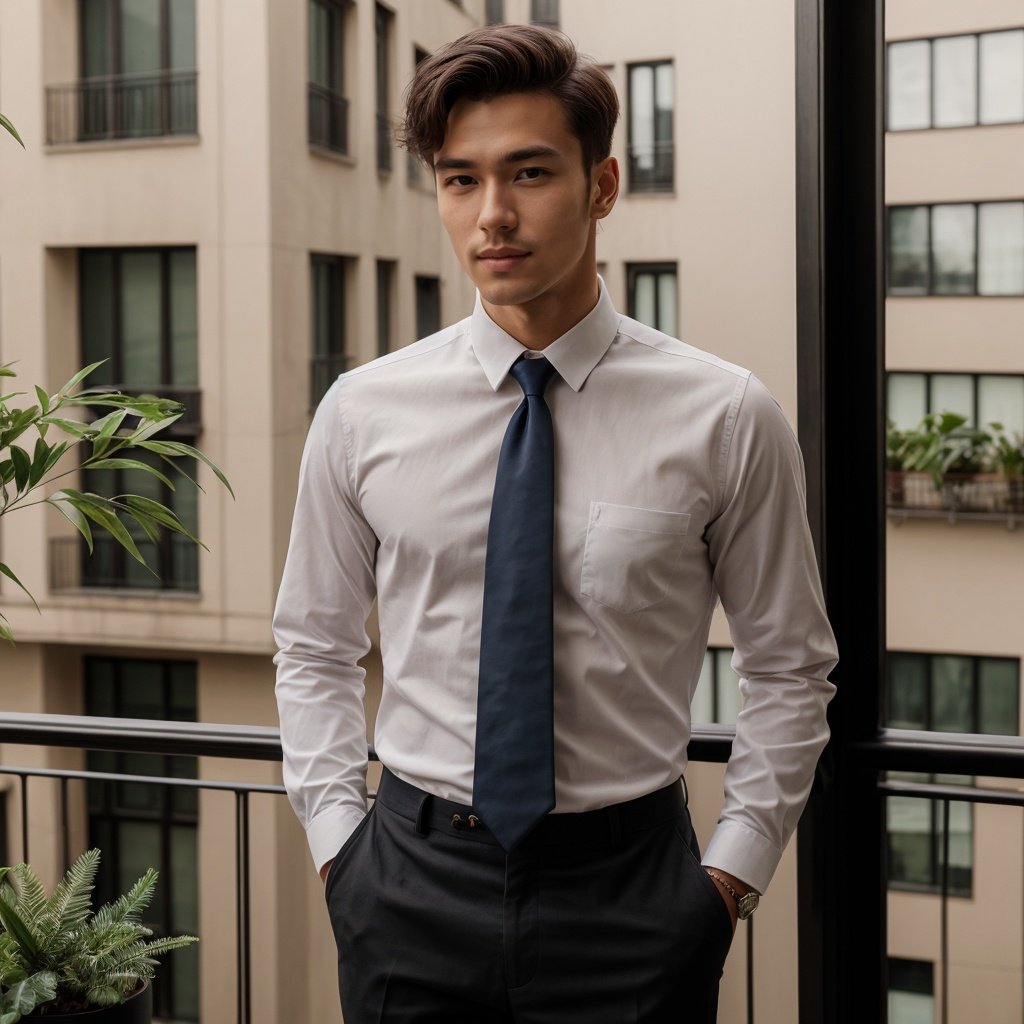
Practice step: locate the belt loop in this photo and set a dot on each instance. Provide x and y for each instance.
(614, 826)
(422, 826)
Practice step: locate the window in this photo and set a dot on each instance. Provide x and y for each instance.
(956, 249)
(544, 12)
(428, 305)
(717, 697)
(651, 149)
(911, 991)
(982, 397)
(138, 312)
(414, 166)
(956, 81)
(652, 295)
(328, 105)
(494, 12)
(138, 71)
(138, 824)
(329, 287)
(386, 273)
(914, 827)
(384, 25)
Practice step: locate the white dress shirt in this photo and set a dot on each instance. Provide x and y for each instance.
(678, 482)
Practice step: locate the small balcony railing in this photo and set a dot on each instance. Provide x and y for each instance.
(955, 496)
(323, 371)
(652, 167)
(109, 567)
(122, 107)
(328, 119)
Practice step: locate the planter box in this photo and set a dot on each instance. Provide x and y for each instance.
(137, 1010)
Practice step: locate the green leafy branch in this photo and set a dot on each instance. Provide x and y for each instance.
(32, 458)
(5, 123)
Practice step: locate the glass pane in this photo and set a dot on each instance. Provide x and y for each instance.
(644, 304)
(183, 34)
(909, 820)
(321, 278)
(641, 116)
(953, 249)
(1001, 400)
(908, 683)
(701, 709)
(954, 63)
(95, 28)
(140, 318)
(664, 100)
(184, 323)
(96, 282)
(951, 694)
(142, 689)
(953, 392)
(667, 304)
(729, 698)
(961, 845)
(907, 399)
(908, 250)
(1001, 245)
(183, 691)
(184, 905)
(140, 35)
(911, 1008)
(999, 696)
(428, 306)
(138, 847)
(140, 796)
(1002, 77)
(909, 85)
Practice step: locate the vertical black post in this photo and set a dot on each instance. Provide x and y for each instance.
(242, 923)
(840, 361)
(24, 819)
(944, 920)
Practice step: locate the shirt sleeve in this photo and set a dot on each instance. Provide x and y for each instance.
(767, 578)
(320, 629)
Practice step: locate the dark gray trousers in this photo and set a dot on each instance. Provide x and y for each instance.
(604, 917)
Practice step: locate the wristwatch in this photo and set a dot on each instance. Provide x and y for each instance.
(746, 903)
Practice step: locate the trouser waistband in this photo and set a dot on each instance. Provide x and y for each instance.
(605, 825)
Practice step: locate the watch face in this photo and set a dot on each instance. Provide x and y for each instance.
(746, 905)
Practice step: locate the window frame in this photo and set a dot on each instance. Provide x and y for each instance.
(929, 379)
(657, 184)
(658, 269)
(325, 366)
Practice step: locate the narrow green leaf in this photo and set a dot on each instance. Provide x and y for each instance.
(56, 453)
(149, 526)
(98, 509)
(80, 376)
(20, 931)
(112, 463)
(72, 427)
(6, 371)
(39, 460)
(5, 630)
(26, 995)
(10, 575)
(151, 427)
(63, 503)
(161, 513)
(22, 467)
(187, 451)
(10, 127)
(44, 399)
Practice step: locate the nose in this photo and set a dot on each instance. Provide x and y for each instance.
(497, 213)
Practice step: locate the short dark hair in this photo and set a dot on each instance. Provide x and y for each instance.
(503, 59)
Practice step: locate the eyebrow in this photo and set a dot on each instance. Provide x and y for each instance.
(516, 156)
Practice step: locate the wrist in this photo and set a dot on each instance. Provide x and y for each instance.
(743, 897)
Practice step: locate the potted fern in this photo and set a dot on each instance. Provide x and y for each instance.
(60, 961)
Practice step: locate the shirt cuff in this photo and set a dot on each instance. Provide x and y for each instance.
(743, 853)
(327, 832)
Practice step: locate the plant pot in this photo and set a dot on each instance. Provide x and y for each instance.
(895, 496)
(1015, 494)
(138, 1009)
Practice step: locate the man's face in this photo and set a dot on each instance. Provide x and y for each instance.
(515, 202)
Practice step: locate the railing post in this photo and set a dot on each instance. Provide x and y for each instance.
(242, 904)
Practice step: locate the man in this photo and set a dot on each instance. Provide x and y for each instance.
(546, 538)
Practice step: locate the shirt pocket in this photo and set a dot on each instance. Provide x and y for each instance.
(632, 556)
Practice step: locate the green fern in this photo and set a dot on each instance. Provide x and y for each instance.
(92, 959)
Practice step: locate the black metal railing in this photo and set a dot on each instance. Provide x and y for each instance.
(174, 559)
(237, 742)
(956, 496)
(652, 167)
(128, 106)
(328, 119)
(323, 371)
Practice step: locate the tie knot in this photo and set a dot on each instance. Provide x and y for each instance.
(533, 375)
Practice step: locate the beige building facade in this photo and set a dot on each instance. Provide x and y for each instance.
(221, 174)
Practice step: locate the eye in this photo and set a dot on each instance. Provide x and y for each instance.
(531, 173)
(459, 181)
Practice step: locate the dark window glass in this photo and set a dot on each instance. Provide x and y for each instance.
(953, 257)
(651, 132)
(911, 991)
(717, 697)
(328, 105)
(385, 299)
(652, 295)
(384, 21)
(327, 320)
(428, 305)
(140, 825)
(908, 692)
(999, 696)
(415, 171)
(494, 12)
(544, 12)
(908, 250)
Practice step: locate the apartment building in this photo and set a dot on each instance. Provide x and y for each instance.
(211, 200)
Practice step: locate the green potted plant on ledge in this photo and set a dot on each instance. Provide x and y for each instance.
(1008, 458)
(60, 961)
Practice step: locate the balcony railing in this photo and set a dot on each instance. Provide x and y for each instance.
(957, 496)
(109, 567)
(328, 119)
(323, 371)
(652, 167)
(122, 107)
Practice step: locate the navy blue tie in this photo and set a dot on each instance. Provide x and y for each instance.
(514, 775)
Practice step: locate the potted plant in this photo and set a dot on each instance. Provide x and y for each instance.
(1008, 458)
(895, 495)
(60, 961)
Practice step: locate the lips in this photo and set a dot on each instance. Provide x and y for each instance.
(504, 258)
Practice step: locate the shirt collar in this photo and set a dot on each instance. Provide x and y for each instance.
(573, 355)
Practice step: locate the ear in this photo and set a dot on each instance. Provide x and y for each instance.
(604, 187)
